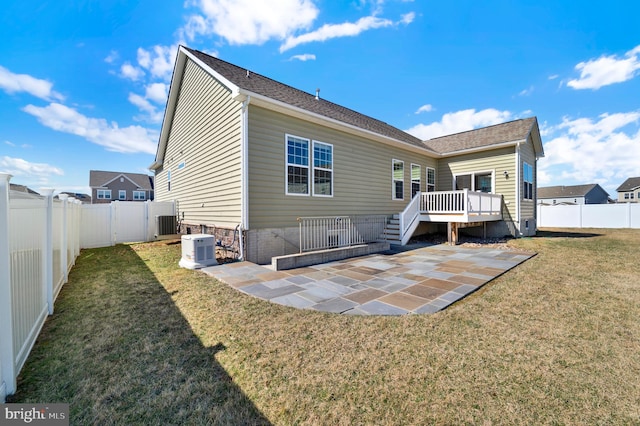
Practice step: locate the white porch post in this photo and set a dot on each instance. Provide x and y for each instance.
(47, 260)
(8, 381)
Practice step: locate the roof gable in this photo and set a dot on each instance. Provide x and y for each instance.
(100, 178)
(629, 184)
(509, 133)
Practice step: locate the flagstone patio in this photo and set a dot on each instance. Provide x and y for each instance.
(419, 280)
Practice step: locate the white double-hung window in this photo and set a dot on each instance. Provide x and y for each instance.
(297, 166)
(397, 175)
(527, 172)
(322, 169)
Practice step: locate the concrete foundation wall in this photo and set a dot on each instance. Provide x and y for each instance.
(263, 244)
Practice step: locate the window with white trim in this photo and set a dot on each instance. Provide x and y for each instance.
(527, 177)
(139, 196)
(104, 194)
(398, 179)
(168, 180)
(122, 194)
(431, 179)
(415, 179)
(322, 169)
(476, 181)
(297, 165)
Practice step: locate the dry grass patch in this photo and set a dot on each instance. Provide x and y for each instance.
(137, 339)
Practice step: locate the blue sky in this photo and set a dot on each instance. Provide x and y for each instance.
(83, 84)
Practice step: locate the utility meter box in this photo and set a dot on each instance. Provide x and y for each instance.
(198, 251)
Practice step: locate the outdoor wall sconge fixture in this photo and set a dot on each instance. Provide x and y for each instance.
(506, 174)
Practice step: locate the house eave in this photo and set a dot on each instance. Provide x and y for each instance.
(293, 111)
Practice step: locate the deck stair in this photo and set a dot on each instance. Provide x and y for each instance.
(392, 231)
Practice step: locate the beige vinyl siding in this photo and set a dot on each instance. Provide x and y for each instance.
(497, 161)
(206, 135)
(527, 155)
(362, 178)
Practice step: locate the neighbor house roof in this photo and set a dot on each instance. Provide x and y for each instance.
(22, 188)
(629, 184)
(562, 191)
(77, 195)
(99, 178)
(259, 84)
(512, 131)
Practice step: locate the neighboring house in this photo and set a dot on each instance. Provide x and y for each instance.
(112, 186)
(239, 149)
(629, 191)
(22, 188)
(84, 198)
(573, 194)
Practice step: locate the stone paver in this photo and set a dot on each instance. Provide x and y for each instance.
(423, 280)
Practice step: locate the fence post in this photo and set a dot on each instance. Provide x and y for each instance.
(47, 258)
(114, 222)
(7, 364)
(64, 240)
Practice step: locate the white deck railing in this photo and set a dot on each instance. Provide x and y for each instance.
(465, 202)
(449, 206)
(320, 233)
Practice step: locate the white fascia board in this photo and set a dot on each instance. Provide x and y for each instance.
(284, 108)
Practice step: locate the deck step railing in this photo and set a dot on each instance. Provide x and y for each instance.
(326, 232)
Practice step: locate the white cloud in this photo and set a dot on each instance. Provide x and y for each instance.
(157, 92)
(159, 60)
(304, 57)
(425, 108)
(408, 18)
(145, 106)
(129, 71)
(250, 22)
(604, 150)
(526, 92)
(607, 70)
(131, 139)
(22, 168)
(460, 121)
(553, 77)
(9, 143)
(111, 57)
(15, 83)
(329, 31)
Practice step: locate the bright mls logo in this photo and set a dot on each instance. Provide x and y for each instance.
(39, 414)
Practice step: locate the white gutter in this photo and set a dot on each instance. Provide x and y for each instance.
(244, 159)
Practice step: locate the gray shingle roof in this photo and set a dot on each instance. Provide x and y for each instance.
(98, 178)
(629, 184)
(272, 89)
(561, 191)
(486, 136)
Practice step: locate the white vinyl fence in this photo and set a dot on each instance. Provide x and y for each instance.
(40, 239)
(625, 215)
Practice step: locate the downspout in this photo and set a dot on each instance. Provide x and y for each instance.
(517, 219)
(244, 174)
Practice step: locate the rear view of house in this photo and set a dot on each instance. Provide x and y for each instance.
(240, 151)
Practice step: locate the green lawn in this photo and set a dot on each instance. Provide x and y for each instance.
(137, 340)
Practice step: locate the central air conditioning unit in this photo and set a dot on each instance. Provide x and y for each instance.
(198, 251)
(166, 225)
